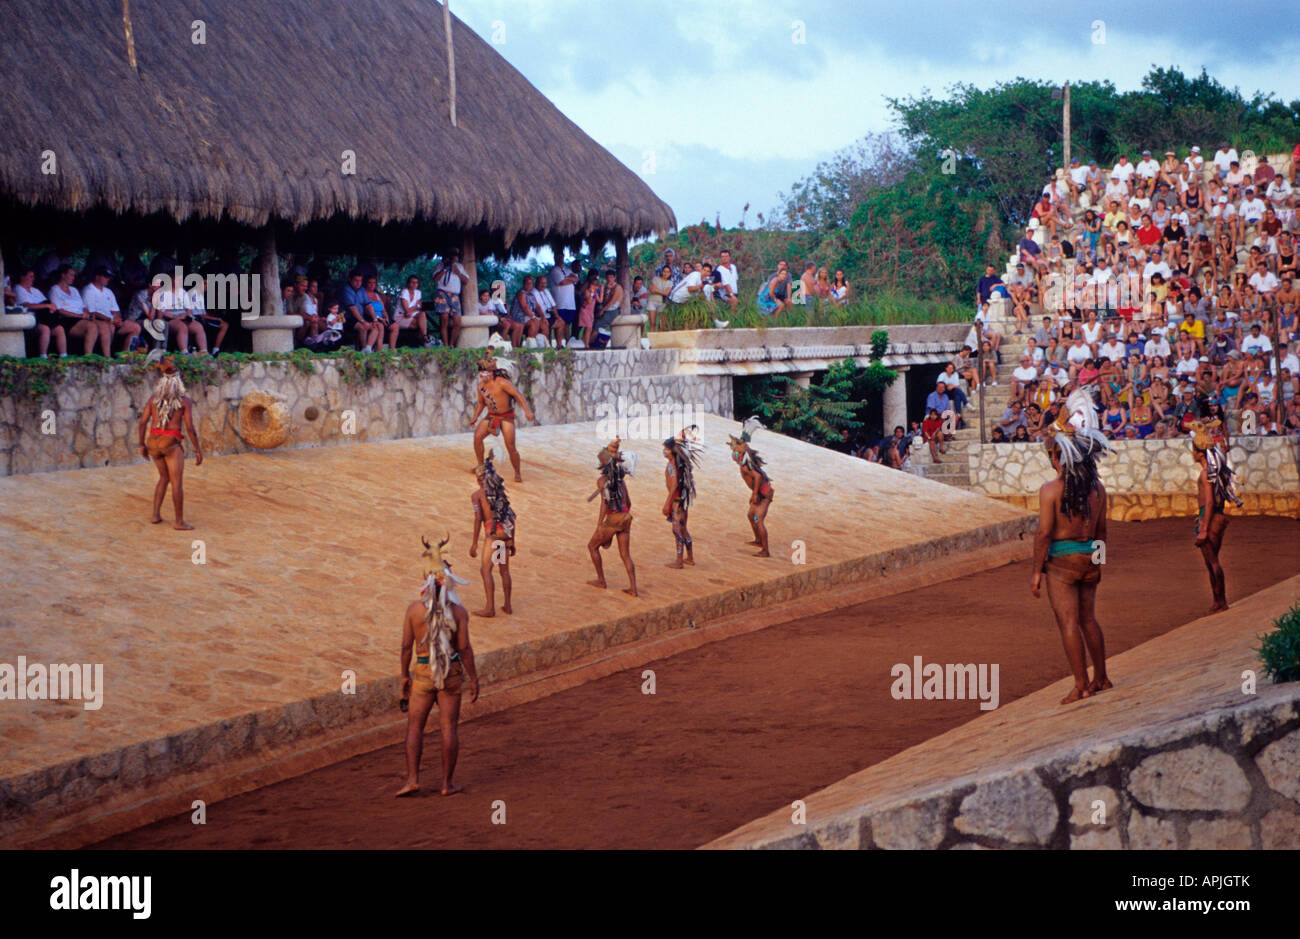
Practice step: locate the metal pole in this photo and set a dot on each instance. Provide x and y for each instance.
(451, 57)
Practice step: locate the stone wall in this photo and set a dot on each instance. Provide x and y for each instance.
(1148, 478)
(89, 416)
(1224, 780)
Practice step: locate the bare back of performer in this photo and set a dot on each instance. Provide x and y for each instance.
(167, 412)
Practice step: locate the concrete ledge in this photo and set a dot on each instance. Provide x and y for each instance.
(1139, 506)
(1180, 754)
(13, 342)
(474, 331)
(273, 333)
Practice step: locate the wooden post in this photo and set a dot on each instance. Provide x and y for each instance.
(469, 289)
(451, 58)
(623, 273)
(1065, 106)
(268, 269)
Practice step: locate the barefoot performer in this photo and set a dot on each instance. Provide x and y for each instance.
(683, 455)
(167, 411)
(436, 629)
(1071, 517)
(493, 513)
(755, 477)
(615, 519)
(1216, 487)
(497, 393)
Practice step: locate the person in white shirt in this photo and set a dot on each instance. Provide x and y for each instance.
(1279, 197)
(410, 310)
(1058, 374)
(562, 282)
(1112, 349)
(1078, 178)
(1023, 374)
(546, 303)
(1105, 287)
(691, 284)
(1195, 161)
(1290, 361)
(48, 322)
(1252, 208)
(1224, 157)
(181, 324)
(446, 300)
(101, 305)
(1148, 168)
(1123, 170)
(1077, 355)
(1256, 343)
(1155, 266)
(1264, 281)
(1187, 365)
(730, 278)
(1157, 345)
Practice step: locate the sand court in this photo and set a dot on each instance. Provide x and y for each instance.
(236, 641)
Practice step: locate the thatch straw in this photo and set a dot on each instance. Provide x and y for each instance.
(252, 125)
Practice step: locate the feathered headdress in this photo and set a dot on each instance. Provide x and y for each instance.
(169, 391)
(686, 449)
(498, 368)
(494, 487)
(438, 595)
(1077, 441)
(1218, 468)
(741, 451)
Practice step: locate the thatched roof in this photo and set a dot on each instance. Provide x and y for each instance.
(252, 125)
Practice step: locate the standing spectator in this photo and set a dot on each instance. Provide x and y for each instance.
(729, 277)
(661, 286)
(446, 299)
(563, 283)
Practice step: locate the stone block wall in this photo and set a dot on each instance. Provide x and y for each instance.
(1226, 780)
(1159, 475)
(89, 416)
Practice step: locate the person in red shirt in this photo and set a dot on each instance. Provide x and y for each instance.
(932, 433)
(1147, 234)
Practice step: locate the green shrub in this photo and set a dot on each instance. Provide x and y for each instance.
(1280, 649)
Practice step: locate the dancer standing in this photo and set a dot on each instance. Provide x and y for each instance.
(754, 474)
(497, 393)
(492, 511)
(436, 630)
(166, 413)
(1071, 520)
(683, 455)
(615, 518)
(1216, 487)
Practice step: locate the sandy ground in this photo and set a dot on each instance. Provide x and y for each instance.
(736, 728)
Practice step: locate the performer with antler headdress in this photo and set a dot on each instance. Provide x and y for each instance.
(683, 455)
(493, 513)
(754, 474)
(1071, 526)
(164, 416)
(436, 629)
(497, 393)
(615, 518)
(1216, 487)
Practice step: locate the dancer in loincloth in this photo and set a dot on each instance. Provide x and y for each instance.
(1071, 518)
(164, 416)
(683, 455)
(497, 394)
(1216, 487)
(615, 519)
(436, 631)
(755, 477)
(493, 513)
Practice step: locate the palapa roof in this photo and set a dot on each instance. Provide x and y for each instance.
(252, 125)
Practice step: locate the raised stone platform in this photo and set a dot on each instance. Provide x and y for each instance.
(1181, 753)
(228, 674)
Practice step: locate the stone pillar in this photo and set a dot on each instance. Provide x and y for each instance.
(272, 330)
(895, 409)
(469, 289)
(623, 273)
(804, 380)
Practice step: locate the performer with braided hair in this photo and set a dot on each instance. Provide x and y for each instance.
(166, 413)
(1216, 487)
(493, 513)
(754, 474)
(436, 629)
(497, 393)
(683, 455)
(1071, 518)
(615, 519)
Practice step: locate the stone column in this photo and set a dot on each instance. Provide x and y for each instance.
(895, 409)
(272, 330)
(469, 289)
(623, 270)
(804, 380)
(625, 333)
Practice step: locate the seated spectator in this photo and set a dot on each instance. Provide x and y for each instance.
(1021, 435)
(1256, 343)
(48, 322)
(101, 304)
(998, 436)
(1021, 376)
(691, 285)
(329, 329)
(359, 314)
(196, 303)
(1114, 419)
(932, 434)
(1014, 416)
(774, 295)
(409, 312)
(939, 399)
(896, 448)
(526, 322)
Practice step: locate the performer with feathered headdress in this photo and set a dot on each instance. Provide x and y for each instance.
(754, 474)
(435, 630)
(683, 455)
(168, 411)
(1071, 539)
(1216, 487)
(493, 513)
(615, 519)
(497, 393)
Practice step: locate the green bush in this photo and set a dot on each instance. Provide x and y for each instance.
(1280, 649)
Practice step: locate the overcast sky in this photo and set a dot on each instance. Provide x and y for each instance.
(715, 103)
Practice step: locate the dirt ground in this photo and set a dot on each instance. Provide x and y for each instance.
(736, 728)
